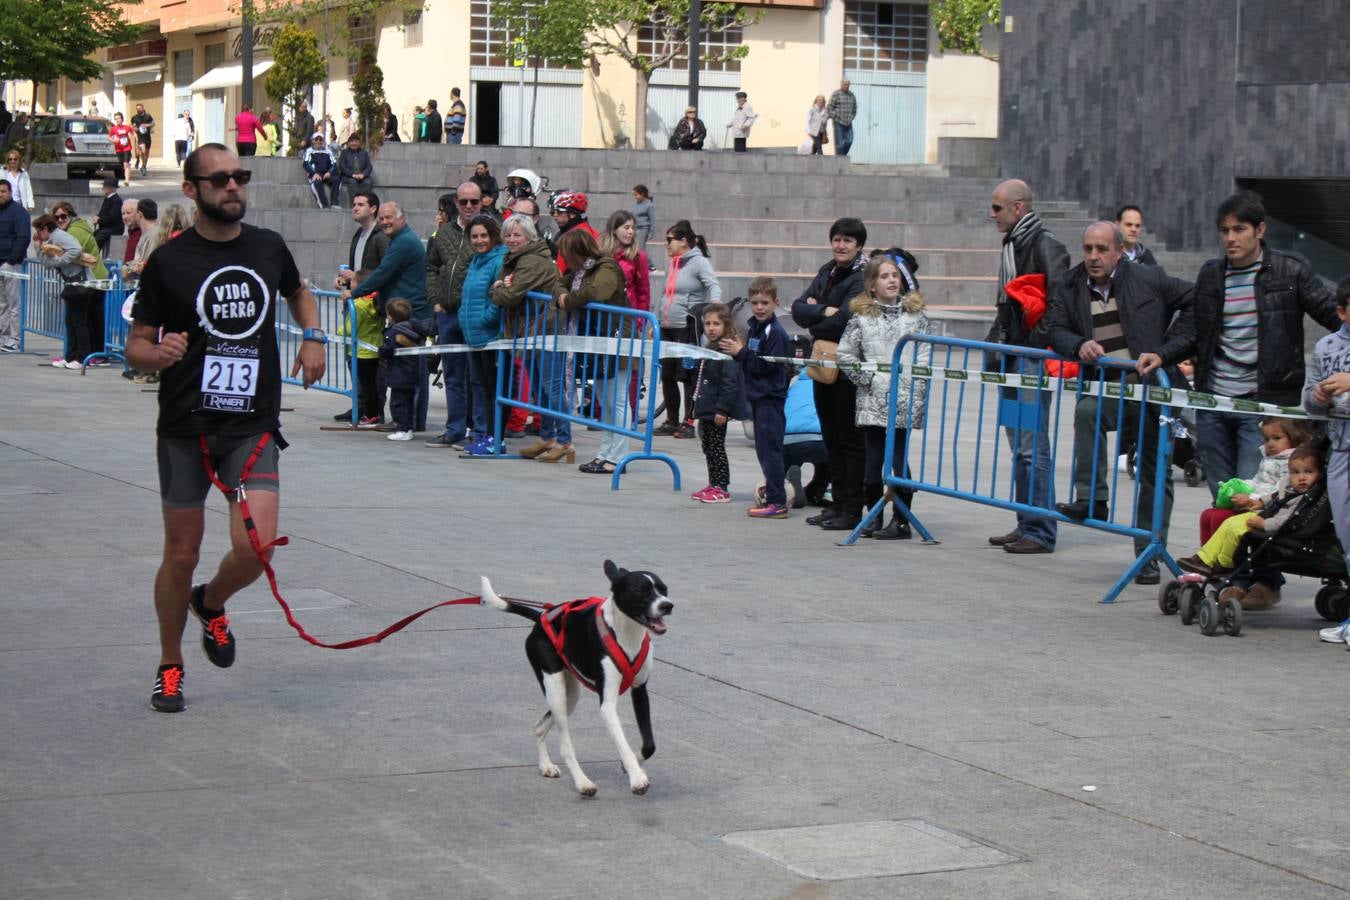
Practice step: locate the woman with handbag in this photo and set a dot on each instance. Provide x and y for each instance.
(816, 119)
(823, 310)
(91, 299)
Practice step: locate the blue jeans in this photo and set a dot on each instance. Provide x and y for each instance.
(770, 424)
(614, 394)
(455, 372)
(554, 377)
(843, 138)
(1229, 445)
(1024, 442)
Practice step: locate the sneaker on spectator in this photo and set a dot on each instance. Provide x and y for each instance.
(483, 447)
(167, 697)
(217, 640)
(768, 511)
(370, 422)
(666, 429)
(704, 495)
(685, 431)
(146, 378)
(1336, 634)
(444, 443)
(59, 362)
(98, 362)
(9, 348)
(717, 495)
(400, 436)
(74, 364)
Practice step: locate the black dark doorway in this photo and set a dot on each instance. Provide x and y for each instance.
(487, 117)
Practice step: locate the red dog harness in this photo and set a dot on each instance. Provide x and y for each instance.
(554, 620)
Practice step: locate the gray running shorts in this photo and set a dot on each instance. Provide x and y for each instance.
(183, 482)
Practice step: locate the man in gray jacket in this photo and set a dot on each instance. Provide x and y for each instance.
(15, 229)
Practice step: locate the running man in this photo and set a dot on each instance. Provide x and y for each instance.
(144, 123)
(210, 293)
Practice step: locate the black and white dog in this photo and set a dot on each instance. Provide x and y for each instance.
(602, 644)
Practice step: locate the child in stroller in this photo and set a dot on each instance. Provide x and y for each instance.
(1292, 534)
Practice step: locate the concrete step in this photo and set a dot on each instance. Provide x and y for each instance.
(809, 258)
(939, 291)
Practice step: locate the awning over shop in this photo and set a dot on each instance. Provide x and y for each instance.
(229, 76)
(139, 74)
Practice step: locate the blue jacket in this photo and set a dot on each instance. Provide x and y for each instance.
(402, 273)
(764, 380)
(15, 233)
(316, 161)
(802, 418)
(478, 316)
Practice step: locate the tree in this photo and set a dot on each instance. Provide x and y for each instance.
(570, 32)
(341, 25)
(960, 24)
(296, 67)
(368, 95)
(43, 41)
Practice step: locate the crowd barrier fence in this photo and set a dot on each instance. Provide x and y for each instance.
(41, 311)
(959, 452)
(337, 317)
(591, 368)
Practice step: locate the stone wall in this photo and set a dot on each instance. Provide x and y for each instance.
(1115, 101)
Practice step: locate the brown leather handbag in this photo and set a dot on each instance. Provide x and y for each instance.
(824, 350)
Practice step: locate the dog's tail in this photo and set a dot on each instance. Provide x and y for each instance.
(491, 599)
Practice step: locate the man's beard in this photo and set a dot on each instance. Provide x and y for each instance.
(219, 213)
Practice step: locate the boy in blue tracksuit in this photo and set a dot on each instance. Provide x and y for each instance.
(321, 172)
(766, 386)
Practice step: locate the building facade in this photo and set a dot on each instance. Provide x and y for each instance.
(909, 93)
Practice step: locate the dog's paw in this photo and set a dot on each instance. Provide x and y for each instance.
(587, 789)
(648, 750)
(550, 771)
(640, 785)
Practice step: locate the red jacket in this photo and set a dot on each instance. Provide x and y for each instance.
(636, 278)
(1028, 291)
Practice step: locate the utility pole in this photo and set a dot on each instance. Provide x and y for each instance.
(695, 39)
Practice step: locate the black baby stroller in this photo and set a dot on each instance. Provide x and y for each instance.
(1305, 545)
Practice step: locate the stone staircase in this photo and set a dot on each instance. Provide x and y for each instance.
(761, 214)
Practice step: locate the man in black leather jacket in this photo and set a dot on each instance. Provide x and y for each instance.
(1109, 306)
(1028, 249)
(1245, 350)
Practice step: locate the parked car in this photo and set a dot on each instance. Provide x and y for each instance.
(81, 142)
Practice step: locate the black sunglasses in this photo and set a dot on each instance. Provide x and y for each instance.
(61, 217)
(218, 180)
(467, 202)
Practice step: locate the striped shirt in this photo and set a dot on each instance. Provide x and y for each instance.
(1235, 357)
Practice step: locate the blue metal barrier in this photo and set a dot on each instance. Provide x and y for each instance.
(41, 310)
(336, 317)
(967, 403)
(115, 326)
(601, 353)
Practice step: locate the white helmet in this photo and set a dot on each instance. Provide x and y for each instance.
(526, 175)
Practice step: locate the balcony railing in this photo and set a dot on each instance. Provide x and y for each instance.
(139, 50)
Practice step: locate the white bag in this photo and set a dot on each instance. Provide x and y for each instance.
(804, 148)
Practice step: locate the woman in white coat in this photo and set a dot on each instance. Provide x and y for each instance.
(19, 184)
(816, 119)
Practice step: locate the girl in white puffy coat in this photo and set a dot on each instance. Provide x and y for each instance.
(889, 308)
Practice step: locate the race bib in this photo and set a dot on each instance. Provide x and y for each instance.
(230, 376)
(232, 306)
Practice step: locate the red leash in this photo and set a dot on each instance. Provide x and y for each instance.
(261, 551)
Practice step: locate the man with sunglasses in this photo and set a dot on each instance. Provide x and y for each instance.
(448, 255)
(205, 318)
(1029, 248)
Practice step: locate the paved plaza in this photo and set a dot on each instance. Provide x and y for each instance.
(887, 720)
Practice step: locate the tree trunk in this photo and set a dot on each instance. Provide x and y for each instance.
(32, 121)
(640, 113)
(534, 103)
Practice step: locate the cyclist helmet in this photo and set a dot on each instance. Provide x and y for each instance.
(565, 200)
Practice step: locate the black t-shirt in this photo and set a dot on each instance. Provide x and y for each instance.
(223, 294)
(144, 123)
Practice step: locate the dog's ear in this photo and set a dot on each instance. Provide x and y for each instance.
(613, 572)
